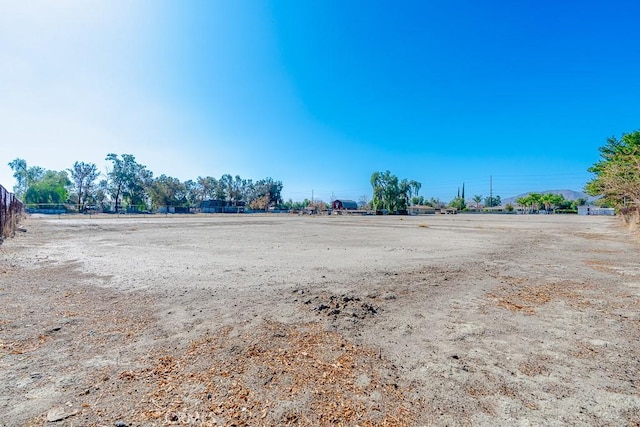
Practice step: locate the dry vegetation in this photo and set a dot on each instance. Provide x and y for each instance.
(335, 321)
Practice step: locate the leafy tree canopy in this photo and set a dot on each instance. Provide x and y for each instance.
(390, 193)
(51, 190)
(25, 176)
(128, 180)
(617, 173)
(83, 177)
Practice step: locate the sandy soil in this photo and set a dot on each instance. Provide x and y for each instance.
(286, 320)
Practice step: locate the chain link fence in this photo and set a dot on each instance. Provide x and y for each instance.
(11, 209)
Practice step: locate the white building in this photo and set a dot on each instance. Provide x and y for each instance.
(595, 210)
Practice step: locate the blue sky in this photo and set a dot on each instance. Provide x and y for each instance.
(321, 94)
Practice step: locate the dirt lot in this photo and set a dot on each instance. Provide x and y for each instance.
(279, 320)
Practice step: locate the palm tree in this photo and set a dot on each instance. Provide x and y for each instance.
(551, 201)
(523, 201)
(477, 200)
(534, 199)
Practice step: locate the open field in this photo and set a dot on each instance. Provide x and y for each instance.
(286, 320)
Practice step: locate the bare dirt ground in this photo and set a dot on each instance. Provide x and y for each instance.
(279, 320)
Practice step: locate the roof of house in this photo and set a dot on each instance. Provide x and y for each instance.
(347, 204)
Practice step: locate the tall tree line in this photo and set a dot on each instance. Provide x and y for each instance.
(130, 183)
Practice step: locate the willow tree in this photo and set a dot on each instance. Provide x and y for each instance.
(617, 174)
(390, 193)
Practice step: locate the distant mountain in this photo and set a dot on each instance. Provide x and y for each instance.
(568, 194)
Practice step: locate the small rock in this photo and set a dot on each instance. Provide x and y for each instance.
(58, 413)
(121, 424)
(363, 380)
(368, 308)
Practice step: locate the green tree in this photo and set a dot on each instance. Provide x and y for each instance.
(535, 201)
(477, 199)
(458, 203)
(83, 177)
(50, 191)
(206, 187)
(226, 183)
(435, 202)
(220, 191)
(531, 202)
(492, 201)
(167, 191)
(192, 194)
(523, 201)
(551, 201)
(417, 200)
(25, 176)
(617, 173)
(19, 168)
(391, 194)
(270, 188)
(128, 180)
(581, 201)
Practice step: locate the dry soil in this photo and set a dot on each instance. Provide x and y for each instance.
(333, 320)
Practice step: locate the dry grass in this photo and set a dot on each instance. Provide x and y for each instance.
(276, 375)
(527, 298)
(604, 266)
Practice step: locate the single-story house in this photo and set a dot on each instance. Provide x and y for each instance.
(595, 210)
(421, 210)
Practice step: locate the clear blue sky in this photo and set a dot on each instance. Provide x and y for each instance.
(319, 94)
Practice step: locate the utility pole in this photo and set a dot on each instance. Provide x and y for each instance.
(490, 191)
(311, 196)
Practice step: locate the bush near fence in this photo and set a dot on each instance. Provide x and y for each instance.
(11, 210)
